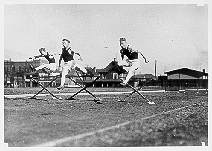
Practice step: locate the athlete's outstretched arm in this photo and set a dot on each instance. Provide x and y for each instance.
(144, 57)
(39, 56)
(79, 56)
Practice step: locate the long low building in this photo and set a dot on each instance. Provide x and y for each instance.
(186, 77)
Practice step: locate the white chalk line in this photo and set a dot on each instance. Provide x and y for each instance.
(62, 94)
(66, 139)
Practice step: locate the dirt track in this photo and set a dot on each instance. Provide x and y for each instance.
(32, 122)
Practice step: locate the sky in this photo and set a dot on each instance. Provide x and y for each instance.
(175, 35)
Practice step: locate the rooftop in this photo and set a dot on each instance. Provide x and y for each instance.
(187, 71)
(143, 76)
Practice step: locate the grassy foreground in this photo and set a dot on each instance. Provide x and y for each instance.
(187, 126)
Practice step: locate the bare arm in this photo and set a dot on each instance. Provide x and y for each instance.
(79, 56)
(39, 56)
(144, 57)
(122, 55)
(73, 53)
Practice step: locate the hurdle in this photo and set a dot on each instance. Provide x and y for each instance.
(96, 99)
(136, 91)
(55, 76)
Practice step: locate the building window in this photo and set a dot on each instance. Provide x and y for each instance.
(115, 76)
(13, 68)
(102, 76)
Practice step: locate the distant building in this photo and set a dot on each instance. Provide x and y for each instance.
(109, 78)
(14, 71)
(186, 77)
(141, 79)
(18, 74)
(186, 73)
(161, 80)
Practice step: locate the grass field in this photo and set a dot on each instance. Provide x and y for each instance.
(176, 119)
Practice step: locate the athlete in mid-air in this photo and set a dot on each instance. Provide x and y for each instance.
(51, 66)
(130, 58)
(69, 62)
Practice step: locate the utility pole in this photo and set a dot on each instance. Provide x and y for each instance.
(155, 69)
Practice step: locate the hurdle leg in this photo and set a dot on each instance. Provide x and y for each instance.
(131, 93)
(140, 94)
(34, 96)
(44, 88)
(85, 90)
(47, 86)
(89, 85)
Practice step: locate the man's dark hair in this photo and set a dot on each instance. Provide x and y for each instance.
(66, 40)
(123, 39)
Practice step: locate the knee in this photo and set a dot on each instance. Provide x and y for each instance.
(131, 72)
(65, 71)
